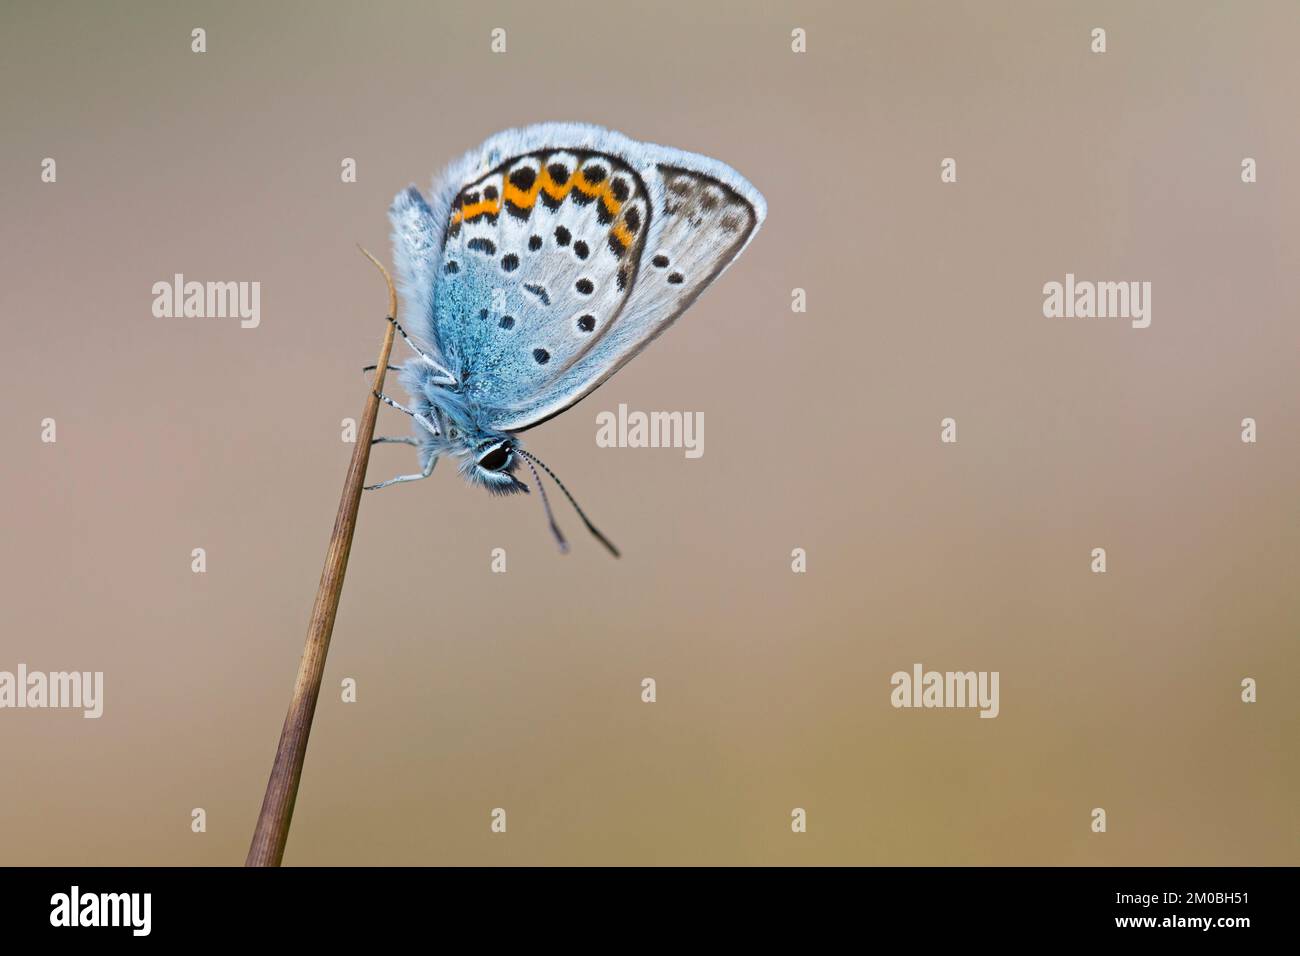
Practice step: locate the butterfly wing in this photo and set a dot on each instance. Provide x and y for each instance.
(539, 258)
(562, 250)
(417, 247)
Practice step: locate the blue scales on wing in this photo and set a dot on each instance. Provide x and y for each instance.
(539, 258)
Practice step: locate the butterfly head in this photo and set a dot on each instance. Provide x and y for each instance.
(491, 462)
(453, 427)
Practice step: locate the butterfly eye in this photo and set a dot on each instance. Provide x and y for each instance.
(496, 459)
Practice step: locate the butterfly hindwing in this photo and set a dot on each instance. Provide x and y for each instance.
(552, 255)
(539, 259)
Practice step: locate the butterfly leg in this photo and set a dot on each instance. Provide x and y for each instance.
(371, 368)
(427, 359)
(402, 408)
(387, 439)
(428, 470)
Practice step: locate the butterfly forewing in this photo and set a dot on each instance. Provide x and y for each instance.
(698, 227)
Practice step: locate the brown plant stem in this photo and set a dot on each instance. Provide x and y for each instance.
(273, 821)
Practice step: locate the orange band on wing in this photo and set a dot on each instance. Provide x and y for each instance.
(523, 200)
(620, 233)
(490, 206)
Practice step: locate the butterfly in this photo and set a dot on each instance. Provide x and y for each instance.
(541, 263)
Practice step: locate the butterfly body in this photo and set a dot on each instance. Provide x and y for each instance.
(542, 262)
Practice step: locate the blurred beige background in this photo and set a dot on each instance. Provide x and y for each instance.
(522, 690)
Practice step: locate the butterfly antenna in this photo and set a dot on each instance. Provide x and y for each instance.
(576, 507)
(546, 504)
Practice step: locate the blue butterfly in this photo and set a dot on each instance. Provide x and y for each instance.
(545, 260)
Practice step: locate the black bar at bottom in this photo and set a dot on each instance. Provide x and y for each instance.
(330, 905)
